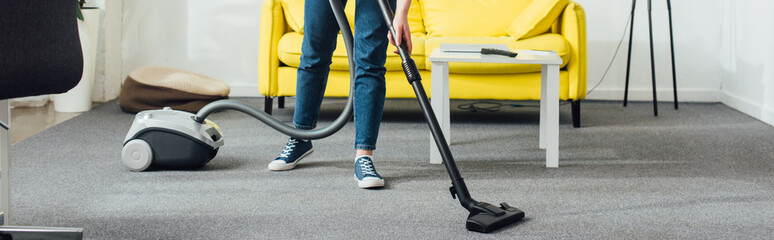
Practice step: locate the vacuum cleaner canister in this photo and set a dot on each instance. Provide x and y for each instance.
(169, 138)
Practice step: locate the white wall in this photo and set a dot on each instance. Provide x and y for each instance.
(696, 37)
(214, 38)
(220, 39)
(721, 47)
(747, 63)
(106, 85)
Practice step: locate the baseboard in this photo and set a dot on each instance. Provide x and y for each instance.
(767, 116)
(663, 95)
(748, 107)
(244, 90)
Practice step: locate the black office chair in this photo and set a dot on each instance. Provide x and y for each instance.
(40, 53)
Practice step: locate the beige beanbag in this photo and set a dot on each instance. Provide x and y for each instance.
(155, 87)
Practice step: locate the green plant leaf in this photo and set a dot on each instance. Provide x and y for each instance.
(78, 14)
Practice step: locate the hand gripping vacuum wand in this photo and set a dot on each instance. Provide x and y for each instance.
(177, 139)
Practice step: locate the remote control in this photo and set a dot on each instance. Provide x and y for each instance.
(494, 51)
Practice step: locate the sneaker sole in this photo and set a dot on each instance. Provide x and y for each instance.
(370, 183)
(282, 166)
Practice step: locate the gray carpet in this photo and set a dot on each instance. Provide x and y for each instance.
(701, 172)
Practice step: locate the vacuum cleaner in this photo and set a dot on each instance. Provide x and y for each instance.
(177, 139)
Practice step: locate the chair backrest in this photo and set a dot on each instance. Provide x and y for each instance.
(40, 50)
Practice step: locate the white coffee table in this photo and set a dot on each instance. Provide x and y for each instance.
(549, 95)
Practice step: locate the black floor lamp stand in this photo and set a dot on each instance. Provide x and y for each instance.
(652, 61)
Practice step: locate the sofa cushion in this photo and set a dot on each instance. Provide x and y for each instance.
(294, 13)
(537, 18)
(289, 52)
(463, 86)
(548, 41)
(464, 18)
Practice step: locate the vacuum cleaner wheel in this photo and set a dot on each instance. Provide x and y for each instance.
(137, 155)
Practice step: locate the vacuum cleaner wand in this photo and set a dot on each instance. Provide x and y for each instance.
(484, 217)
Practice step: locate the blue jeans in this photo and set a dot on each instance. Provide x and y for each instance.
(370, 53)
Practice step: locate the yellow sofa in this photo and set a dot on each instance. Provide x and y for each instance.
(557, 25)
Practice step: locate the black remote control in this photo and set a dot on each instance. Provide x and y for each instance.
(494, 51)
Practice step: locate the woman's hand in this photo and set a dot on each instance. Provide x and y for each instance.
(400, 24)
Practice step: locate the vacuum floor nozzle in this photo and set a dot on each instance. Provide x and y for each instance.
(486, 217)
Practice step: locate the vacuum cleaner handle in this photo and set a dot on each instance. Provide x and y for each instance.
(412, 74)
(409, 67)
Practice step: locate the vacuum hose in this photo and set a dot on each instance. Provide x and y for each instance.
(483, 217)
(346, 32)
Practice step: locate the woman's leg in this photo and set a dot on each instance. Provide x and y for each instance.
(320, 30)
(370, 55)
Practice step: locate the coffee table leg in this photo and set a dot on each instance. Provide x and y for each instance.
(439, 100)
(543, 106)
(5, 163)
(550, 132)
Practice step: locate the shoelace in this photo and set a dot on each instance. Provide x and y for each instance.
(289, 148)
(367, 166)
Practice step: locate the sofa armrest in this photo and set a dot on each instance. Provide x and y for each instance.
(573, 28)
(272, 27)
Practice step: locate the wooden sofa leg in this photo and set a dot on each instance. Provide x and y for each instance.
(281, 102)
(575, 113)
(267, 104)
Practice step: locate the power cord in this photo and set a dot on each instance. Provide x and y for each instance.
(476, 106)
(628, 21)
(489, 106)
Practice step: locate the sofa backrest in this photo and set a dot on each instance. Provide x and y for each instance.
(294, 13)
(462, 18)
